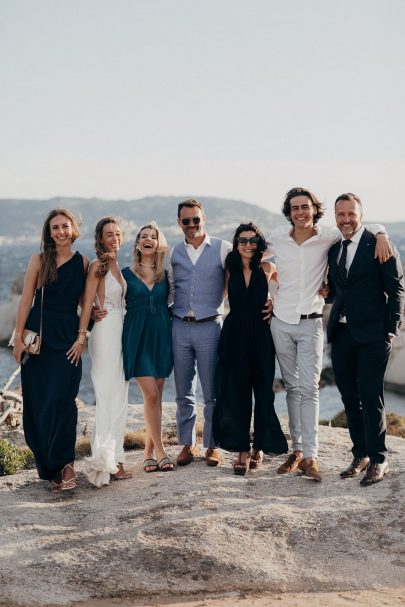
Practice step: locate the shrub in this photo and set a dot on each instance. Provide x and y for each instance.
(13, 458)
(395, 423)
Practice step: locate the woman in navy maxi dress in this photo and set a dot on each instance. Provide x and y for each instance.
(50, 382)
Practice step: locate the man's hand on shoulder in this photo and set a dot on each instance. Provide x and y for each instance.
(383, 248)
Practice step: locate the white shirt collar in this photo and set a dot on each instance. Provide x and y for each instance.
(356, 237)
(207, 240)
(318, 233)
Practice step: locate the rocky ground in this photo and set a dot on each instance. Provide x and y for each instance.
(203, 536)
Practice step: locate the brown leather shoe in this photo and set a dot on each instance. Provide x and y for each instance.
(213, 457)
(358, 465)
(309, 466)
(187, 455)
(375, 473)
(291, 463)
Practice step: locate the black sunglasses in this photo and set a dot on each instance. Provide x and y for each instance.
(196, 221)
(254, 240)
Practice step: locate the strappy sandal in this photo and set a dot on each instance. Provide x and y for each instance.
(241, 468)
(256, 458)
(150, 465)
(165, 465)
(71, 483)
(56, 487)
(121, 477)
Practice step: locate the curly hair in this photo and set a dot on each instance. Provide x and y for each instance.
(286, 208)
(233, 261)
(102, 254)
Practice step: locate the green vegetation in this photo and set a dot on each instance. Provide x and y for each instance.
(395, 423)
(13, 458)
(135, 439)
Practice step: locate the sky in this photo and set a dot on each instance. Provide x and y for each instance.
(239, 99)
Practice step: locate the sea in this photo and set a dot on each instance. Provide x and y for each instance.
(14, 259)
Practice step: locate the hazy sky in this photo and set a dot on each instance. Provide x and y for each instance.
(229, 98)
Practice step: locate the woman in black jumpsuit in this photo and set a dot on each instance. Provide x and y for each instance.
(246, 357)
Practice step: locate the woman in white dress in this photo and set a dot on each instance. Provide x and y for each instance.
(106, 287)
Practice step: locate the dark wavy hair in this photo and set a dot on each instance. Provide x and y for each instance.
(286, 208)
(233, 260)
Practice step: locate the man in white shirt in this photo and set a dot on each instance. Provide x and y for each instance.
(301, 256)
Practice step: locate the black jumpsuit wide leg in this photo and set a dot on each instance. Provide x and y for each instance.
(246, 364)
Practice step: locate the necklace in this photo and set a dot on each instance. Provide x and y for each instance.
(145, 265)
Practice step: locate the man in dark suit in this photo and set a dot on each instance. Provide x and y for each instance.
(368, 301)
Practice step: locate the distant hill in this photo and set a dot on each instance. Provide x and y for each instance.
(22, 219)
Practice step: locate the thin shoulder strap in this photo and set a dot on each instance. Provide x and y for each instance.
(42, 304)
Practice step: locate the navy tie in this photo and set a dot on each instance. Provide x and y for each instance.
(341, 266)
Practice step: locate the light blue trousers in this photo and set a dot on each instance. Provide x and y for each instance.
(194, 349)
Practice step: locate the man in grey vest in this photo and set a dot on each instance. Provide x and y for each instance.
(197, 279)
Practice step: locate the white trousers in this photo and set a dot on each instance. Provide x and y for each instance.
(299, 350)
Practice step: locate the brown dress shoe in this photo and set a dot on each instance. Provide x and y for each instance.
(291, 463)
(375, 473)
(358, 465)
(213, 457)
(187, 455)
(309, 466)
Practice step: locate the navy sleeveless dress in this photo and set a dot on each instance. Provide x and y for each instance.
(50, 383)
(246, 363)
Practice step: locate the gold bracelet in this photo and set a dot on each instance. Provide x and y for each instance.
(82, 331)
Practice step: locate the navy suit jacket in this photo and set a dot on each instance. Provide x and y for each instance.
(373, 293)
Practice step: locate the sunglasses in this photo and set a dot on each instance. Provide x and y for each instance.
(195, 220)
(253, 240)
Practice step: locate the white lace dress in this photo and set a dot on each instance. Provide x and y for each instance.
(110, 387)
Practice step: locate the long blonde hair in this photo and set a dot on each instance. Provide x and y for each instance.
(159, 256)
(48, 269)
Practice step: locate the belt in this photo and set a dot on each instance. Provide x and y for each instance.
(312, 315)
(192, 319)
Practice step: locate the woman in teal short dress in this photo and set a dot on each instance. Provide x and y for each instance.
(146, 338)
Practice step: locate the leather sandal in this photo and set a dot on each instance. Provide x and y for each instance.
(150, 465)
(241, 468)
(165, 465)
(256, 458)
(69, 484)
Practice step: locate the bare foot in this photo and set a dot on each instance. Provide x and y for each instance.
(121, 473)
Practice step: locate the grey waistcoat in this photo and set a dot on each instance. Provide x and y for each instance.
(198, 287)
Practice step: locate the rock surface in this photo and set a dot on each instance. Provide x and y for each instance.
(203, 530)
